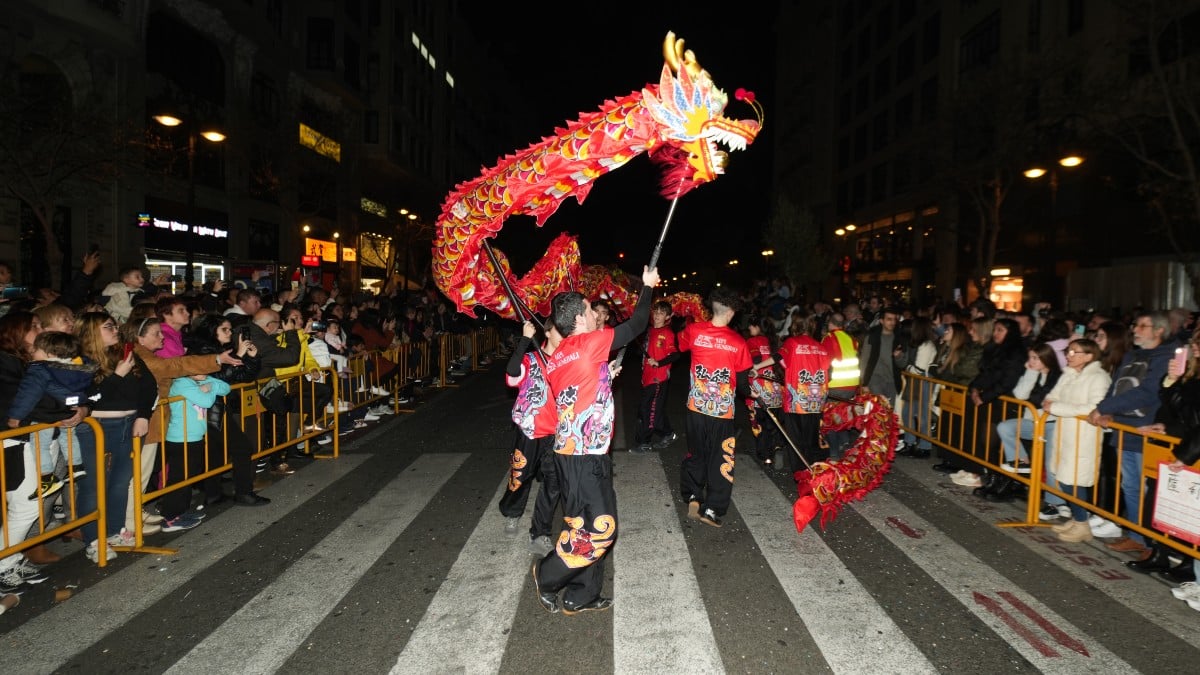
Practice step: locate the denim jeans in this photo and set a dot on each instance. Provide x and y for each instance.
(1131, 488)
(1011, 432)
(1083, 493)
(916, 414)
(48, 448)
(118, 443)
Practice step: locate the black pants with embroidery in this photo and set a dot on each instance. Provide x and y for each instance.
(652, 413)
(707, 471)
(531, 458)
(805, 432)
(576, 565)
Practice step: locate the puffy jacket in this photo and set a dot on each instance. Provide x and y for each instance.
(189, 418)
(56, 381)
(1180, 413)
(1077, 449)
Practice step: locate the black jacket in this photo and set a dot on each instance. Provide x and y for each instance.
(1000, 368)
(1180, 413)
(247, 372)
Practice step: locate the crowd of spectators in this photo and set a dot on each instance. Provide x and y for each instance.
(112, 352)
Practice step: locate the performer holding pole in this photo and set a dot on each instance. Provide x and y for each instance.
(720, 363)
(578, 374)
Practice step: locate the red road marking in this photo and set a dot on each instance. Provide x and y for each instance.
(905, 529)
(994, 607)
(1059, 636)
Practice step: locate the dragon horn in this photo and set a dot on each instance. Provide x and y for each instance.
(671, 56)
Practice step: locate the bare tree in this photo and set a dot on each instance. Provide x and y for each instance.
(53, 154)
(802, 252)
(1156, 119)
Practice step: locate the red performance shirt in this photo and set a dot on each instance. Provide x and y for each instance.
(765, 383)
(531, 411)
(578, 376)
(718, 355)
(805, 373)
(660, 343)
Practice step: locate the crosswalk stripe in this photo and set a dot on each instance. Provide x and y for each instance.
(475, 604)
(1103, 573)
(47, 641)
(645, 637)
(836, 616)
(973, 584)
(292, 604)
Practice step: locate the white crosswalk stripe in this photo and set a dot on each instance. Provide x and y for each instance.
(662, 621)
(292, 605)
(836, 616)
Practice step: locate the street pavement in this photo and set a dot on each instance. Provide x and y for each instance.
(393, 558)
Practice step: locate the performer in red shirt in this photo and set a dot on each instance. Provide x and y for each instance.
(766, 391)
(806, 367)
(578, 374)
(532, 456)
(720, 362)
(661, 352)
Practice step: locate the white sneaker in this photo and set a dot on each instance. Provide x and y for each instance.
(381, 410)
(122, 538)
(1194, 604)
(1023, 469)
(970, 480)
(1188, 590)
(324, 440)
(1105, 530)
(92, 552)
(380, 391)
(371, 417)
(960, 474)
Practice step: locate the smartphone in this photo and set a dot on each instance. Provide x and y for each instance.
(1080, 329)
(128, 351)
(318, 326)
(1181, 358)
(13, 292)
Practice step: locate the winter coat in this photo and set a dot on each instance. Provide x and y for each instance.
(1133, 396)
(1077, 447)
(164, 372)
(189, 417)
(120, 300)
(964, 370)
(1180, 413)
(64, 383)
(1000, 368)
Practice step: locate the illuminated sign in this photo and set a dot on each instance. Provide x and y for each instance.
(349, 254)
(310, 261)
(319, 143)
(325, 250)
(145, 220)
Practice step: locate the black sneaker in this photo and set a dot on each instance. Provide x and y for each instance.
(666, 441)
(548, 600)
(642, 449)
(598, 604)
(708, 517)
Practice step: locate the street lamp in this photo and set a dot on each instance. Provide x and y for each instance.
(212, 135)
(767, 262)
(1035, 172)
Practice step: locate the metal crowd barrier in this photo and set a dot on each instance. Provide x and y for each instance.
(956, 426)
(13, 542)
(268, 432)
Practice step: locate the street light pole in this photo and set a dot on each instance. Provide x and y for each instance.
(171, 120)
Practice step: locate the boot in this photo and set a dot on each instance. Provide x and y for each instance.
(1154, 561)
(1077, 532)
(40, 555)
(1006, 490)
(1179, 574)
(1064, 526)
(990, 482)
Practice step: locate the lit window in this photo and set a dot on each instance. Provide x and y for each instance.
(416, 40)
(424, 52)
(449, 79)
(432, 62)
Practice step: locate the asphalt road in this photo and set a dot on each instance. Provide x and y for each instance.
(393, 558)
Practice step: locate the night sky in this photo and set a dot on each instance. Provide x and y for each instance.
(571, 57)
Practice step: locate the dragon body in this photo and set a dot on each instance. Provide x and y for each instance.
(678, 123)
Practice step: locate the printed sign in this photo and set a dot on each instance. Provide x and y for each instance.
(1177, 504)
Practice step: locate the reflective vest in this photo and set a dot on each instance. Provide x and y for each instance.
(845, 371)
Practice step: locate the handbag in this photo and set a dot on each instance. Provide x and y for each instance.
(275, 397)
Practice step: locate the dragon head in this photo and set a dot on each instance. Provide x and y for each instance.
(687, 107)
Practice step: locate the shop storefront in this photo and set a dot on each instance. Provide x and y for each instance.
(174, 234)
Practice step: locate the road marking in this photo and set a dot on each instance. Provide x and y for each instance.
(650, 539)
(1054, 631)
(466, 627)
(836, 616)
(965, 577)
(46, 642)
(905, 529)
(293, 605)
(1090, 563)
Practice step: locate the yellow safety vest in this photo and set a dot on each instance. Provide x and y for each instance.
(845, 371)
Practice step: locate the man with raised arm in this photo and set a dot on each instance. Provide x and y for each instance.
(580, 381)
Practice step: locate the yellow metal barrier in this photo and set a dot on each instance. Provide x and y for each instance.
(253, 421)
(74, 520)
(956, 415)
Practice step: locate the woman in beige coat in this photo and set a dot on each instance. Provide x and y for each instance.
(1083, 383)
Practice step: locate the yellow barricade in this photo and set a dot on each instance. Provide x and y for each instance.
(13, 542)
(266, 431)
(966, 430)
